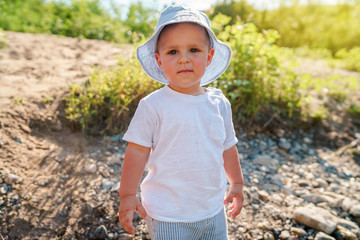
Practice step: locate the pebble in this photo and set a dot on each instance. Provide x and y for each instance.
(317, 218)
(263, 195)
(125, 236)
(284, 144)
(355, 210)
(284, 235)
(298, 231)
(292, 191)
(350, 225)
(347, 203)
(12, 179)
(90, 168)
(107, 184)
(19, 140)
(323, 236)
(101, 232)
(344, 233)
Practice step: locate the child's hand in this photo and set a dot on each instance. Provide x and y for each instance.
(237, 196)
(128, 206)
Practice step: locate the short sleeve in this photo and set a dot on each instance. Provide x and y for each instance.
(142, 126)
(231, 138)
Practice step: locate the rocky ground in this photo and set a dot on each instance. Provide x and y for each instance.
(59, 184)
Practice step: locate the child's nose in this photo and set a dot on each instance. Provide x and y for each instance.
(183, 57)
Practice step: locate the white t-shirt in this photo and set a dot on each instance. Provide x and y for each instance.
(187, 134)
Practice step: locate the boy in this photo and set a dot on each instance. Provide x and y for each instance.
(185, 135)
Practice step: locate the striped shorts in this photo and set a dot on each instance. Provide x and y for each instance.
(214, 228)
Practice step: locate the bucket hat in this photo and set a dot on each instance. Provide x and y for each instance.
(178, 14)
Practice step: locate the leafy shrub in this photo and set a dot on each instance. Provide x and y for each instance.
(105, 104)
(140, 20)
(255, 80)
(350, 59)
(3, 39)
(300, 24)
(315, 53)
(354, 110)
(334, 89)
(314, 25)
(79, 18)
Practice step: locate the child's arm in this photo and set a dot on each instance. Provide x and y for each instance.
(236, 179)
(133, 168)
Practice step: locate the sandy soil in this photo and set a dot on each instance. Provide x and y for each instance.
(33, 64)
(36, 144)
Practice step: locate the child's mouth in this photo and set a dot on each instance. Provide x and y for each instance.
(185, 71)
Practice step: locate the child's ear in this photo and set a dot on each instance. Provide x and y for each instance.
(158, 60)
(210, 56)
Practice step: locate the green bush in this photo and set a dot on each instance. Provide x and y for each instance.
(106, 103)
(315, 53)
(319, 94)
(255, 80)
(350, 59)
(256, 83)
(140, 20)
(314, 25)
(3, 39)
(310, 24)
(79, 18)
(354, 110)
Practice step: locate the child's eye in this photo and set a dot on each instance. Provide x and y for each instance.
(172, 52)
(194, 50)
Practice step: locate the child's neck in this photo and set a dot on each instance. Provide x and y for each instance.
(189, 91)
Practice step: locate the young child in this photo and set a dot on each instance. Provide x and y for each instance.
(185, 135)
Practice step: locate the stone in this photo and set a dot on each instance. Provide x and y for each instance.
(322, 182)
(25, 128)
(355, 210)
(12, 179)
(267, 161)
(90, 168)
(280, 132)
(19, 140)
(350, 225)
(263, 195)
(106, 184)
(284, 144)
(3, 190)
(101, 232)
(304, 183)
(126, 236)
(317, 218)
(298, 231)
(344, 233)
(347, 203)
(313, 198)
(323, 236)
(284, 234)
(307, 140)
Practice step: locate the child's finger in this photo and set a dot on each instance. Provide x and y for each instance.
(236, 208)
(127, 222)
(228, 198)
(141, 211)
(232, 206)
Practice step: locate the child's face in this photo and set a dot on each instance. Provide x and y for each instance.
(183, 54)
